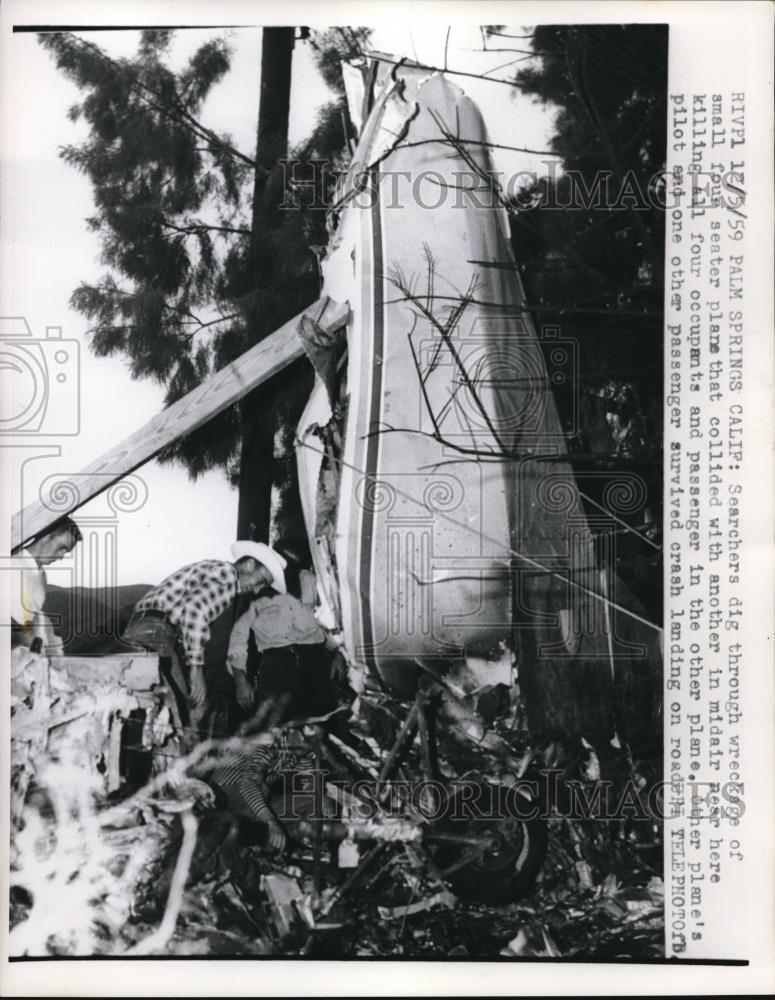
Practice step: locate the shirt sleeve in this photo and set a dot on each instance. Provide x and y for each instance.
(252, 794)
(252, 781)
(28, 590)
(205, 597)
(302, 761)
(237, 656)
(194, 626)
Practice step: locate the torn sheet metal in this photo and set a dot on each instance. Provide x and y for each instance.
(355, 92)
(444, 899)
(324, 348)
(283, 893)
(98, 711)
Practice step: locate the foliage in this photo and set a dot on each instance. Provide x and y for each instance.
(168, 192)
(334, 46)
(151, 171)
(592, 257)
(187, 288)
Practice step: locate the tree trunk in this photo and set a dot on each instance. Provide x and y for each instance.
(258, 409)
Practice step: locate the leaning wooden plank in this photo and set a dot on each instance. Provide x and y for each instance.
(218, 392)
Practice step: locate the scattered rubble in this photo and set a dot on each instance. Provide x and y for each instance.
(113, 858)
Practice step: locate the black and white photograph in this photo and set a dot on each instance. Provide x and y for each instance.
(351, 466)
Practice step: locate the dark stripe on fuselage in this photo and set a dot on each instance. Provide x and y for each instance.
(375, 407)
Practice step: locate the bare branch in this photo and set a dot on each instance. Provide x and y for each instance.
(444, 329)
(483, 144)
(204, 227)
(560, 310)
(505, 34)
(477, 452)
(156, 941)
(512, 62)
(438, 69)
(213, 322)
(488, 179)
(525, 52)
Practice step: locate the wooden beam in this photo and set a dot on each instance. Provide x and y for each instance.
(214, 395)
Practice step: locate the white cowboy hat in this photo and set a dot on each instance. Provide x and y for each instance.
(267, 556)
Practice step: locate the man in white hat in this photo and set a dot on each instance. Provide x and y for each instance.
(294, 677)
(174, 618)
(267, 557)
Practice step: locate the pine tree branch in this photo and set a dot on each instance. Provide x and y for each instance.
(153, 99)
(589, 106)
(115, 292)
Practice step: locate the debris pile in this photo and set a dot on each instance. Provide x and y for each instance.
(157, 867)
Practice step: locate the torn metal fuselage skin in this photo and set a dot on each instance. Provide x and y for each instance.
(443, 514)
(102, 715)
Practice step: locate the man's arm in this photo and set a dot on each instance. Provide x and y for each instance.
(208, 593)
(237, 658)
(195, 632)
(237, 655)
(254, 791)
(42, 627)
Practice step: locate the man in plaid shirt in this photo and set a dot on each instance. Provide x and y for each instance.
(174, 618)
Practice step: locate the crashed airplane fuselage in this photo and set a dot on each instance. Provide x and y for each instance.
(437, 494)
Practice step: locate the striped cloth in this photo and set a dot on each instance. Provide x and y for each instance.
(192, 598)
(246, 779)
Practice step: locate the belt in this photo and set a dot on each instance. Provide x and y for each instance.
(292, 647)
(151, 613)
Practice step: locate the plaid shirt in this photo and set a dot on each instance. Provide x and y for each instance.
(248, 775)
(192, 598)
